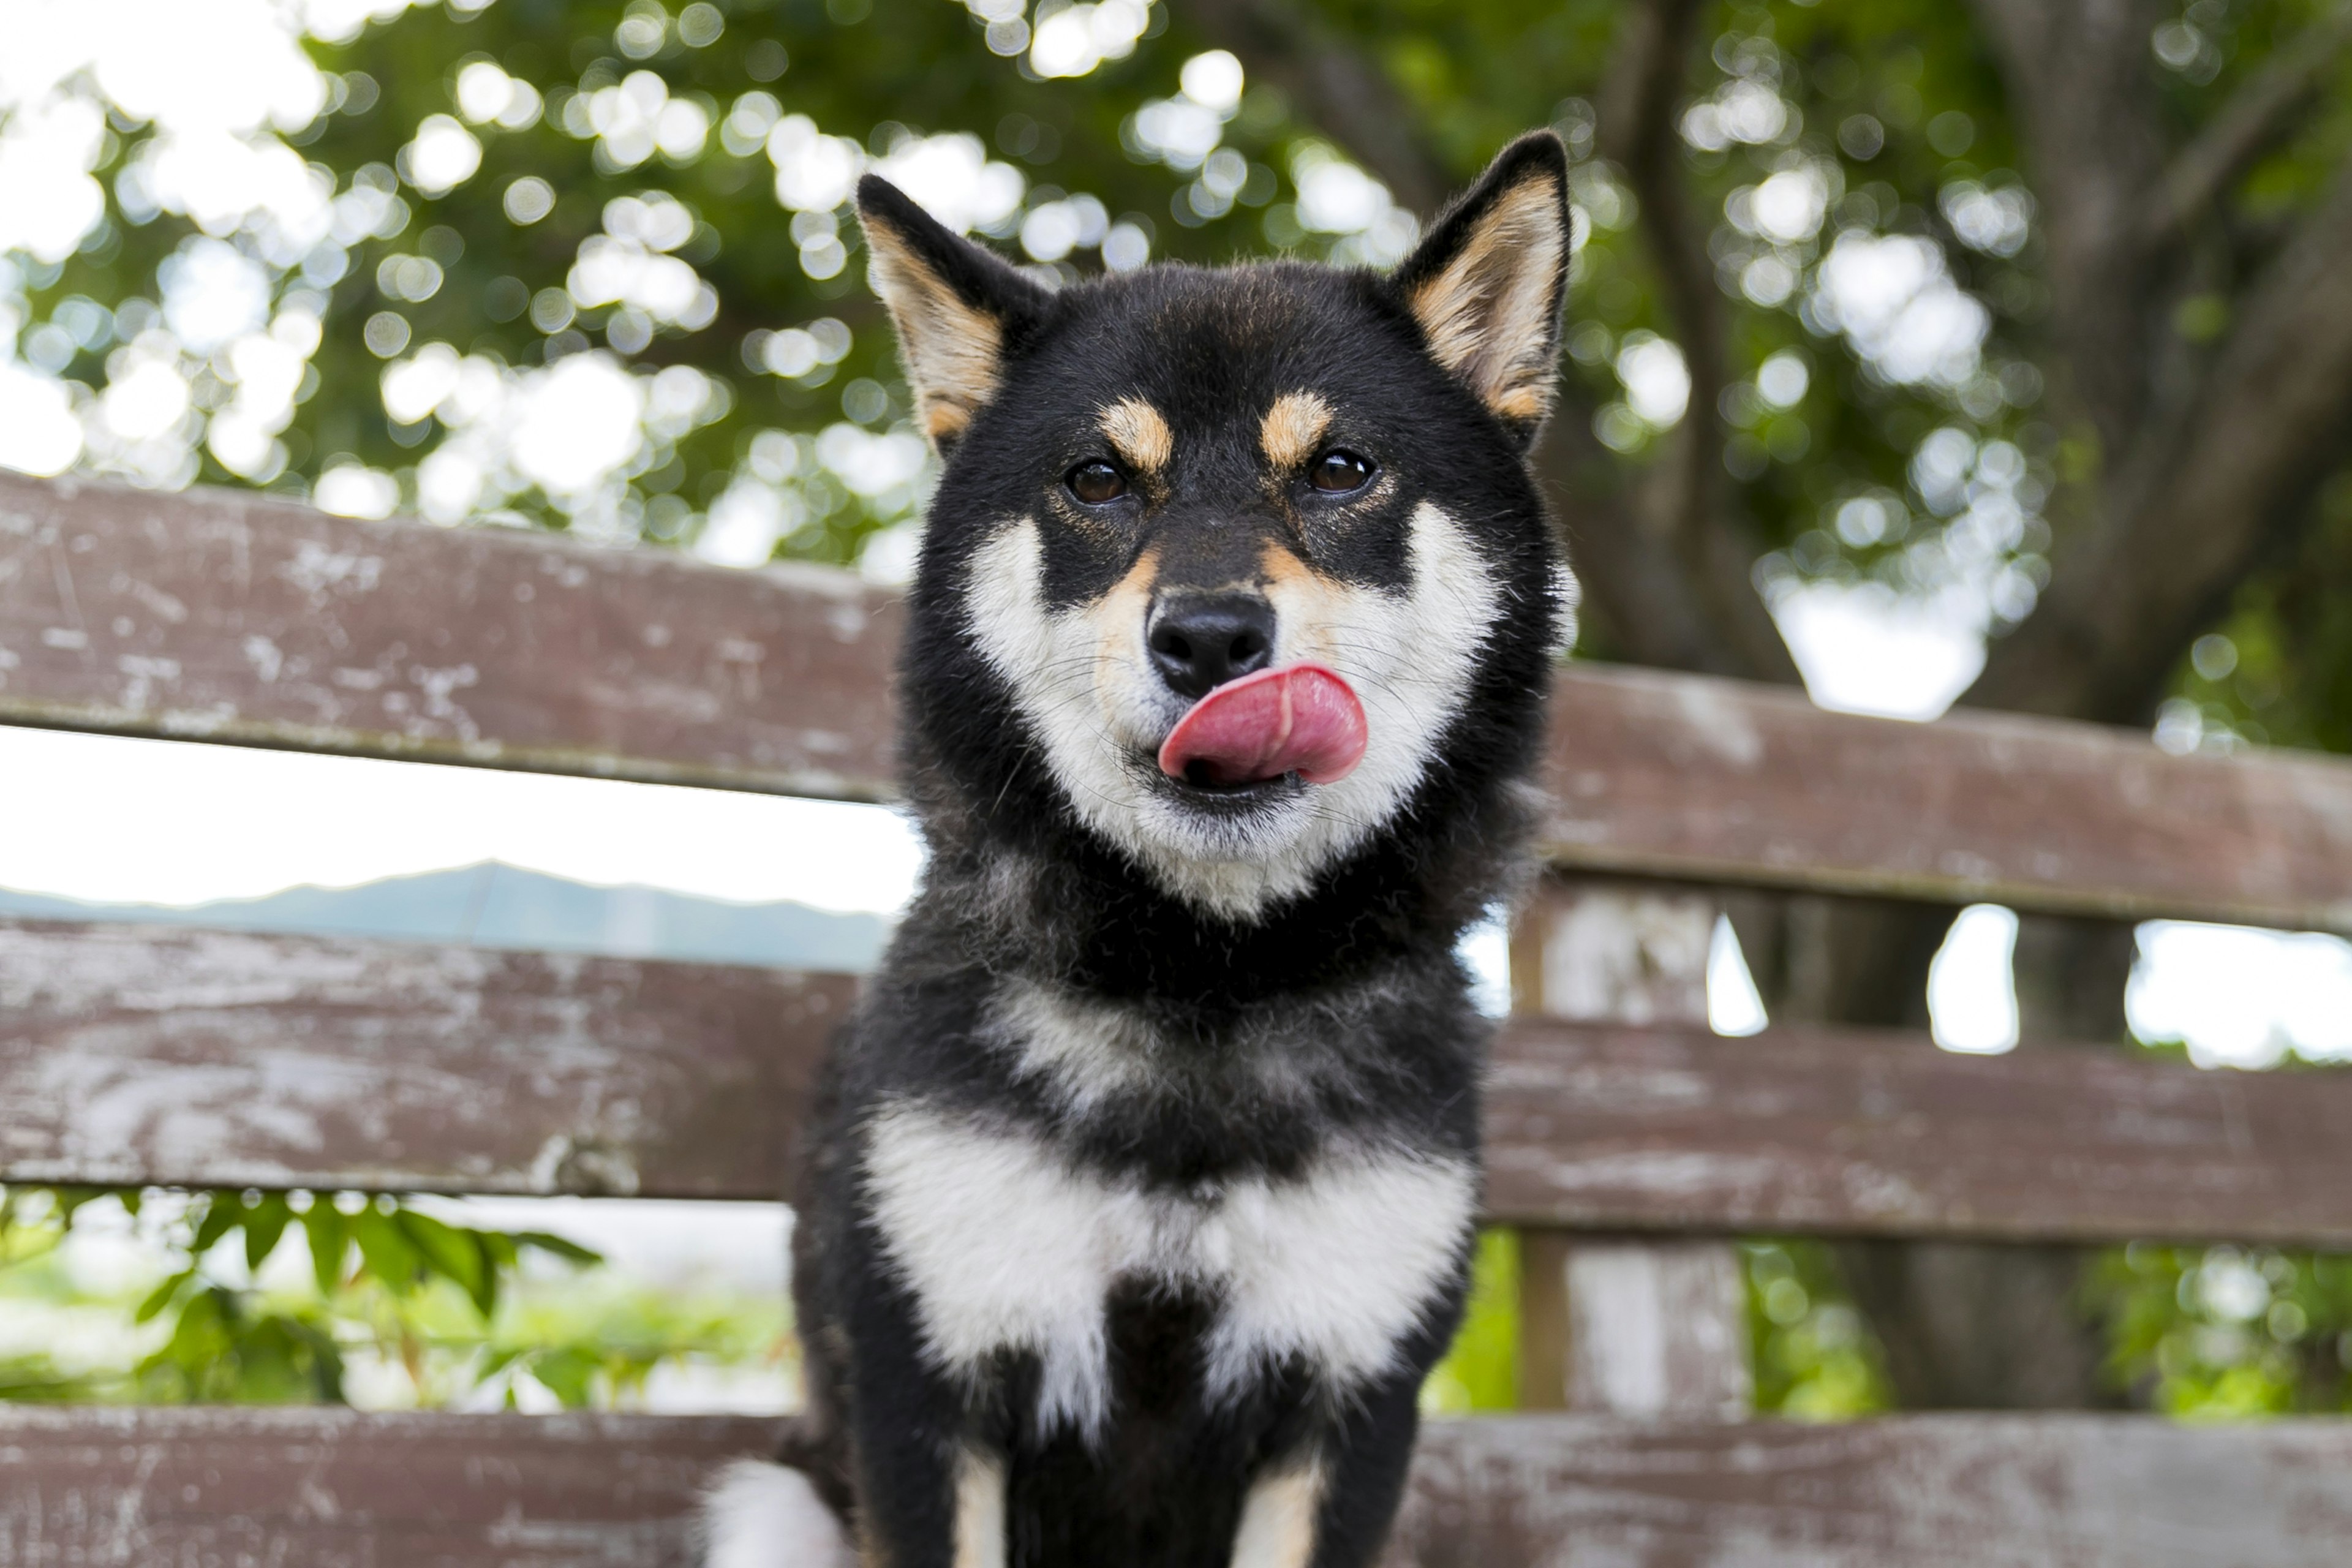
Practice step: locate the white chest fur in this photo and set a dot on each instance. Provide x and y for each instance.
(1006, 1246)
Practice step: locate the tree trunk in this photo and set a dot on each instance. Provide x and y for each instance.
(1964, 1325)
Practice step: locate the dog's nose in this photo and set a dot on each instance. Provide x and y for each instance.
(1199, 641)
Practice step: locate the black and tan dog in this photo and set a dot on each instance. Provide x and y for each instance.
(1144, 1178)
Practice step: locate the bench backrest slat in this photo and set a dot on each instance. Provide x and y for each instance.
(138, 1054)
(229, 617)
(220, 615)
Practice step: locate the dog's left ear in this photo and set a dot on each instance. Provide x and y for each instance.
(1486, 285)
(959, 307)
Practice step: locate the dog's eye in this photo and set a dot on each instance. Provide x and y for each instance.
(1095, 483)
(1338, 471)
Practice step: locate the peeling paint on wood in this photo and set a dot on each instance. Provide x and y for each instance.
(1864, 1132)
(1684, 776)
(333, 1489)
(1626, 1327)
(1920, 1491)
(223, 616)
(137, 1054)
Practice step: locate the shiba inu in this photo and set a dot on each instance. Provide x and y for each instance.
(1142, 1189)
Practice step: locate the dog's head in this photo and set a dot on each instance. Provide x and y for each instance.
(1284, 507)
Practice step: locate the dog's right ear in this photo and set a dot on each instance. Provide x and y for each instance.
(1486, 284)
(956, 306)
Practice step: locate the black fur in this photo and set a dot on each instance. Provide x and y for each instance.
(1337, 1013)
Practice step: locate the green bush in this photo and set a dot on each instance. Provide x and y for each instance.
(467, 1314)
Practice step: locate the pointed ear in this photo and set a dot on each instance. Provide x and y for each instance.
(957, 307)
(1486, 286)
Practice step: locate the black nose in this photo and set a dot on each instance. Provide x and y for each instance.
(1199, 641)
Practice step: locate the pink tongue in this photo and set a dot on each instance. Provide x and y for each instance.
(1301, 719)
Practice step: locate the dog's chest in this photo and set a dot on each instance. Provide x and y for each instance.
(1006, 1246)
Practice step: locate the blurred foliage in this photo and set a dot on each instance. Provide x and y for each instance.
(1811, 1353)
(1481, 1371)
(287, 1299)
(1808, 1347)
(2226, 1333)
(1803, 76)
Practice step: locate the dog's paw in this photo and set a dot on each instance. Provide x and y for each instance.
(760, 1515)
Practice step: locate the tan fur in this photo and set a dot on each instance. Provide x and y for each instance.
(1118, 618)
(980, 1512)
(1277, 1528)
(950, 349)
(1488, 314)
(1141, 434)
(1311, 610)
(1293, 429)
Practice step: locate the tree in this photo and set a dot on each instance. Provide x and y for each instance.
(2027, 313)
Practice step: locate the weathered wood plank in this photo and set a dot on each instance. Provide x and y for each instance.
(161, 1054)
(1682, 777)
(1946, 1491)
(1616, 1325)
(335, 1489)
(135, 1054)
(1857, 1131)
(224, 615)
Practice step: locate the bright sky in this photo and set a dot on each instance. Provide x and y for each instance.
(124, 821)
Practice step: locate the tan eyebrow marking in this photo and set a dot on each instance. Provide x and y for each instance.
(1141, 436)
(1293, 429)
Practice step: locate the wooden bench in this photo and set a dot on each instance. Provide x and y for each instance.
(1626, 1140)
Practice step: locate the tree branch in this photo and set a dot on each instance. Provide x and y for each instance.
(1683, 501)
(2089, 122)
(1343, 91)
(2204, 492)
(1636, 589)
(2255, 116)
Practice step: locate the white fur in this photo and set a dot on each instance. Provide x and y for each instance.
(1084, 682)
(1568, 595)
(1006, 1246)
(1082, 1050)
(760, 1515)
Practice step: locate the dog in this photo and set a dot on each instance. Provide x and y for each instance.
(1141, 1186)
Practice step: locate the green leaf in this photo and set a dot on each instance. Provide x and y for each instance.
(223, 1214)
(567, 1373)
(390, 1255)
(161, 1296)
(264, 1224)
(570, 1251)
(454, 1254)
(330, 1233)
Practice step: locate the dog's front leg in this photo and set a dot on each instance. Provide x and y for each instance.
(928, 1503)
(931, 1487)
(979, 1508)
(1329, 1503)
(1281, 1516)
